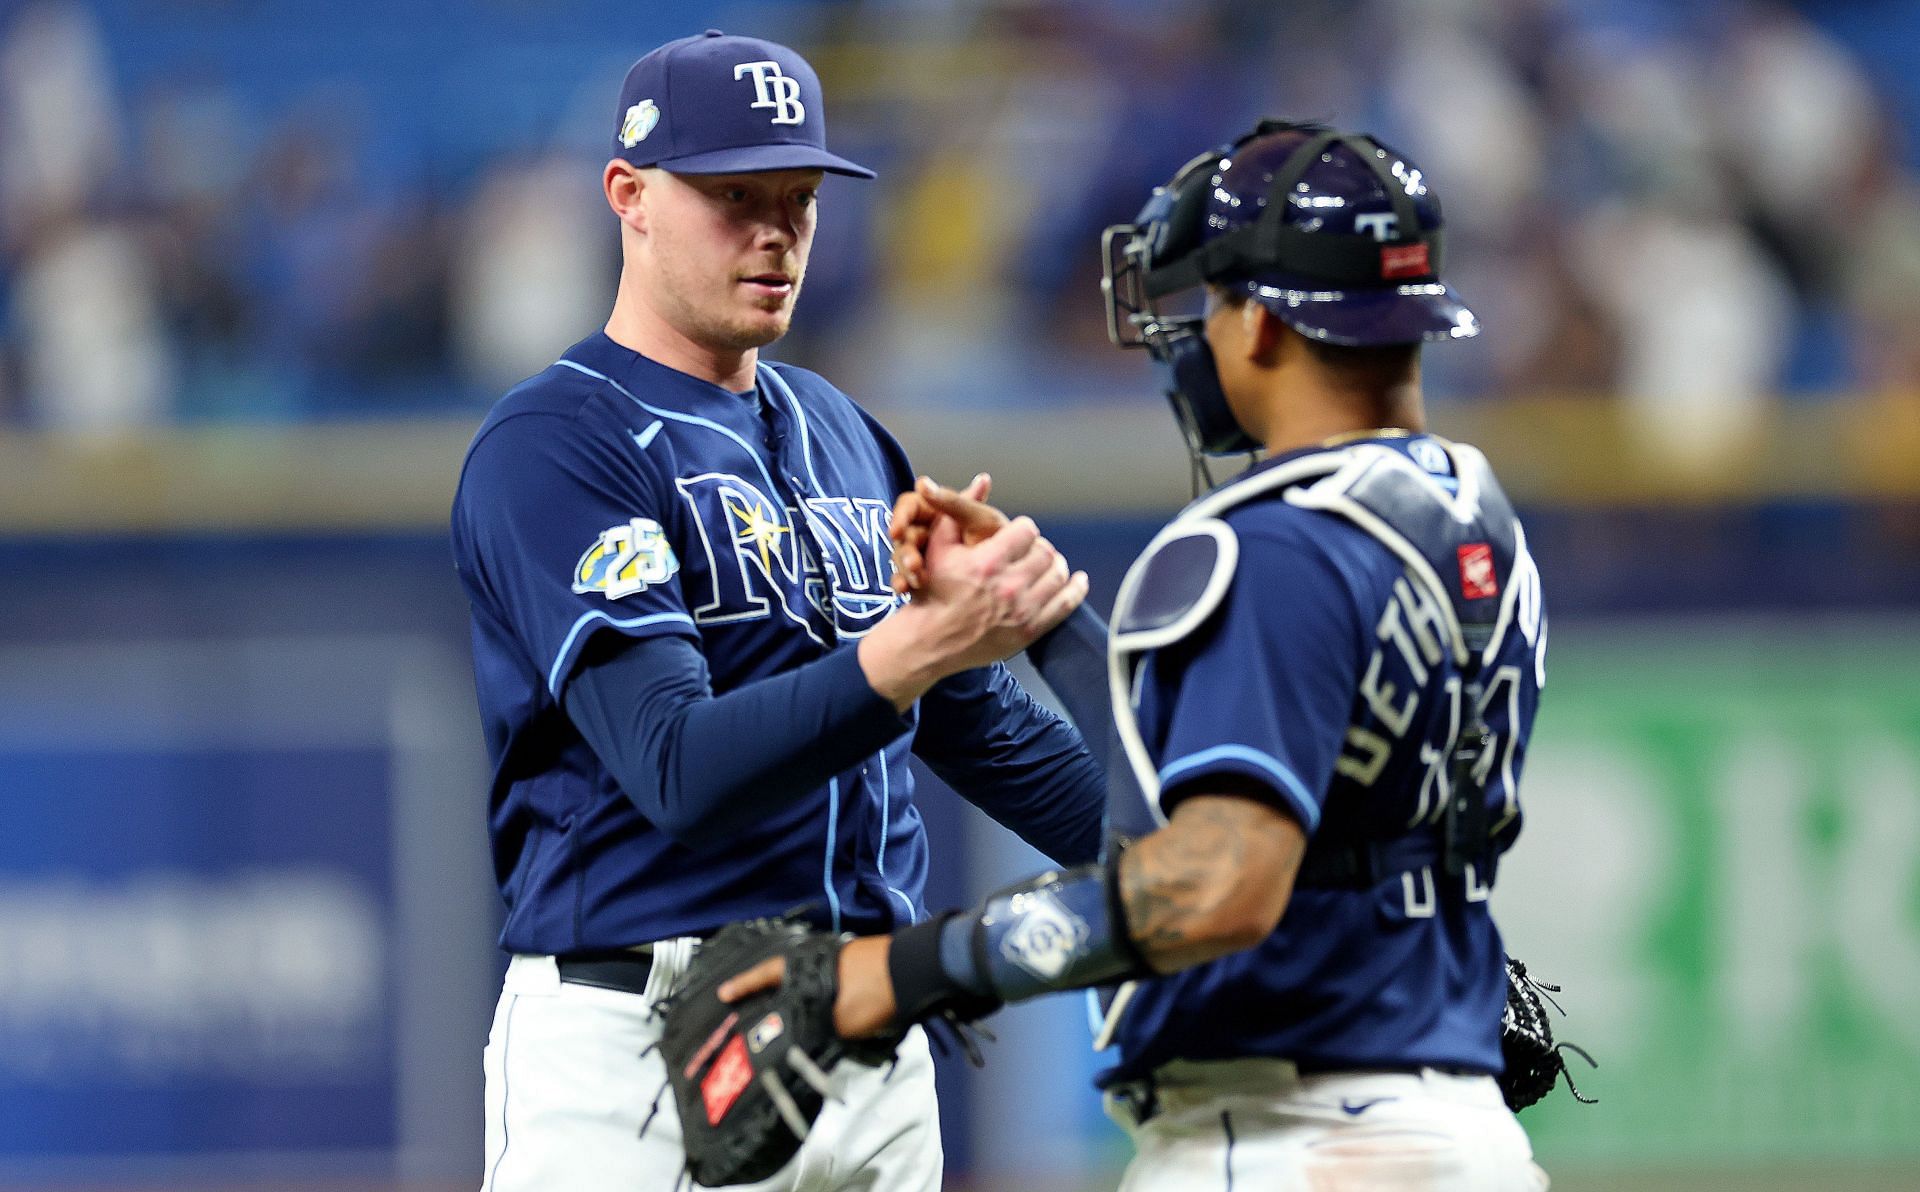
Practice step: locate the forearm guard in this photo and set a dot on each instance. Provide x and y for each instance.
(1055, 932)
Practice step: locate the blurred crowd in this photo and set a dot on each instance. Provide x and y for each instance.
(255, 210)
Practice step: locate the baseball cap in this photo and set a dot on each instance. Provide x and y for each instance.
(717, 104)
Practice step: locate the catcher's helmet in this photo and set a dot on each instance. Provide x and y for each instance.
(1337, 234)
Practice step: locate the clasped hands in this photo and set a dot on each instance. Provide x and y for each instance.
(945, 542)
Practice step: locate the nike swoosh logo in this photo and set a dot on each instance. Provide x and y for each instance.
(1353, 1109)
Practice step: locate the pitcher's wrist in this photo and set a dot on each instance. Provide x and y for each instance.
(896, 670)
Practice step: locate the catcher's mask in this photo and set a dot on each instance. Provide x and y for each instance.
(1335, 233)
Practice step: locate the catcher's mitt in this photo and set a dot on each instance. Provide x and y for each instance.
(1533, 1059)
(749, 1078)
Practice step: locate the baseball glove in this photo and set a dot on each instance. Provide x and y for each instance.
(750, 1078)
(1533, 1059)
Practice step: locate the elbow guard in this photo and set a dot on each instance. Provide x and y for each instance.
(1055, 932)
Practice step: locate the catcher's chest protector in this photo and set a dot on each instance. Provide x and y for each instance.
(1457, 538)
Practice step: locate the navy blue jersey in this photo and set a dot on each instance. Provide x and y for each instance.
(1324, 671)
(613, 495)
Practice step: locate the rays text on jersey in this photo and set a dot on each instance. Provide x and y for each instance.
(827, 559)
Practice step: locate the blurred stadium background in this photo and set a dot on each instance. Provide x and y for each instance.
(263, 264)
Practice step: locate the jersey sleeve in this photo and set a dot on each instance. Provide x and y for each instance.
(1007, 754)
(564, 535)
(1258, 697)
(704, 767)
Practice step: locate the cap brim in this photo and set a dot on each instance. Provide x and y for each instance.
(1428, 312)
(753, 159)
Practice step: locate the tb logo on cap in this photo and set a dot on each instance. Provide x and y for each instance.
(774, 90)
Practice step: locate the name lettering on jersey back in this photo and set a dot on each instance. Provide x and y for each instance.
(1409, 633)
(757, 563)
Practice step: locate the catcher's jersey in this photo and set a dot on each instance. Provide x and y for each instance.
(1324, 667)
(611, 494)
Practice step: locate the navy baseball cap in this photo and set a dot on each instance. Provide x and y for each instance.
(714, 104)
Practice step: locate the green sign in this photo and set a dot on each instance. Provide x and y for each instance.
(1721, 864)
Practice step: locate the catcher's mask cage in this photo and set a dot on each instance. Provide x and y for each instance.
(1343, 243)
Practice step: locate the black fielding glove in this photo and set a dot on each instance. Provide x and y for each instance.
(1533, 1059)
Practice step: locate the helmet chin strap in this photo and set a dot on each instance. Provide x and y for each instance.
(1198, 474)
(1199, 403)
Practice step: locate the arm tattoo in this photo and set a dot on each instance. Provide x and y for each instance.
(1178, 884)
(1169, 881)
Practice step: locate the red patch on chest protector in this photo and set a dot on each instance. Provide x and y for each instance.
(1477, 577)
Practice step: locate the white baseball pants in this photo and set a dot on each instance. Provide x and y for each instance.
(1256, 1125)
(568, 1091)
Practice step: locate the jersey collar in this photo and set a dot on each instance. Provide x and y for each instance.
(643, 374)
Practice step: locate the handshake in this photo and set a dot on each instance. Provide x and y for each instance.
(982, 588)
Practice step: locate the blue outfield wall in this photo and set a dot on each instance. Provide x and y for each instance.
(206, 964)
(245, 917)
(246, 914)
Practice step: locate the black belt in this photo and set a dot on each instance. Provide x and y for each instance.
(623, 969)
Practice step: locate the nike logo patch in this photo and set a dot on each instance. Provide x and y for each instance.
(1355, 1109)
